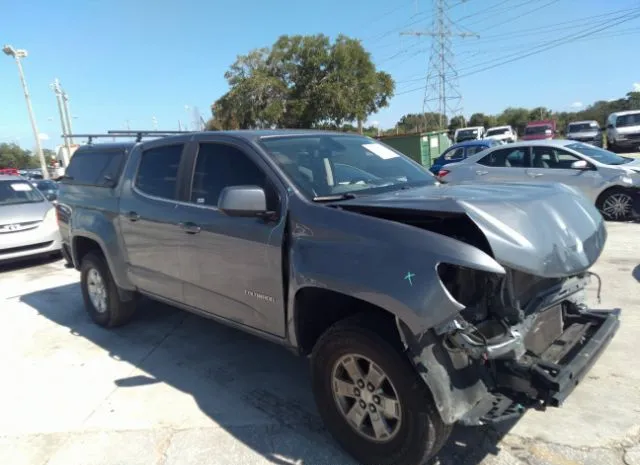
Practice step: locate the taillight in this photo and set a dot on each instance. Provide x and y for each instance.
(442, 173)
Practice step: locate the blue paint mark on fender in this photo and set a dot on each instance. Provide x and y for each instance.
(409, 277)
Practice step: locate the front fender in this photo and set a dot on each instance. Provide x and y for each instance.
(388, 264)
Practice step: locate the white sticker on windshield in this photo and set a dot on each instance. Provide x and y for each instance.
(21, 187)
(381, 151)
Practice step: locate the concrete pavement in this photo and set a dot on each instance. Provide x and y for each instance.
(173, 388)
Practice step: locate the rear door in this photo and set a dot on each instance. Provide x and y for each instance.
(507, 164)
(233, 266)
(149, 217)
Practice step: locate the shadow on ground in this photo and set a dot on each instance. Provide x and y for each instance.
(228, 373)
(25, 263)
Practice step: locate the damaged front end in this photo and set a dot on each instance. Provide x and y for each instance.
(521, 342)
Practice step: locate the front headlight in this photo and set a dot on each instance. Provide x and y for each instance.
(50, 219)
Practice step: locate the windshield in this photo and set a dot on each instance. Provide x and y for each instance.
(47, 185)
(467, 133)
(582, 127)
(14, 192)
(628, 120)
(498, 131)
(325, 165)
(603, 156)
(537, 129)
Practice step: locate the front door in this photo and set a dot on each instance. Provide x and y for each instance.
(233, 266)
(150, 233)
(552, 164)
(503, 165)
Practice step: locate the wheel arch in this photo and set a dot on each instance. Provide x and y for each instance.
(316, 309)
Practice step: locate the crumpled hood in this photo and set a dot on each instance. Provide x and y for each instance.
(548, 230)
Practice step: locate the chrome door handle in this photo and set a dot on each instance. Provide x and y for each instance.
(481, 173)
(535, 175)
(190, 228)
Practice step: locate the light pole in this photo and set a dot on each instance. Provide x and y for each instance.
(17, 55)
(66, 130)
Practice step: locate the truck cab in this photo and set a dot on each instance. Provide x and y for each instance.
(540, 130)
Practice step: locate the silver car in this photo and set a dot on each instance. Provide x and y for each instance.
(28, 224)
(610, 181)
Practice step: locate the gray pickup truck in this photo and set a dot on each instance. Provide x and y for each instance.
(420, 305)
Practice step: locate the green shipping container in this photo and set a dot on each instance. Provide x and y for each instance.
(422, 147)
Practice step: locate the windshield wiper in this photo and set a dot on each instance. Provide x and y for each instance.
(332, 198)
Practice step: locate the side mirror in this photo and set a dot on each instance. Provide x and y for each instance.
(242, 201)
(51, 197)
(580, 165)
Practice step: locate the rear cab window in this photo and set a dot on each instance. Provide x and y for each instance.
(157, 173)
(95, 167)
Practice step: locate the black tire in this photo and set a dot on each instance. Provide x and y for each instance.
(606, 195)
(421, 433)
(118, 312)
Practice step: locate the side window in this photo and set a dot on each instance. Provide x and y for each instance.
(92, 167)
(158, 171)
(455, 154)
(549, 157)
(505, 158)
(219, 166)
(475, 149)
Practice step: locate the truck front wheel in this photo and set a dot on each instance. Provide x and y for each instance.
(372, 400)
(100, 293)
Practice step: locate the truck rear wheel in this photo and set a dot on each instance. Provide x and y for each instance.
(100, 293)
(372, 400)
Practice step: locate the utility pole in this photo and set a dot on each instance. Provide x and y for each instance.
(17, 55)
(63, 121)
(67, 116)
(441, 82)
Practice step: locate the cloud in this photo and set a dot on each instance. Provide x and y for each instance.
(43, 136)
(577, 105)
(636, 86)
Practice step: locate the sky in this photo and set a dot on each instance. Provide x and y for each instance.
(138, 63)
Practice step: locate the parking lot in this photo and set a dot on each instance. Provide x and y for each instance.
(173, 388)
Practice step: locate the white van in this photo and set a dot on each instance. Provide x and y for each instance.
(623, 130)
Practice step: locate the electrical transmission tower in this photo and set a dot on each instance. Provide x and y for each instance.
(441, 94)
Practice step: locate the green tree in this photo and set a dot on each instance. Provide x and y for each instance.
(13, 156)
(516, 117)
(302, 82)
(416, 122)
(457, 122)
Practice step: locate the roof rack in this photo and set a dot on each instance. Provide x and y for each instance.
(127, 133)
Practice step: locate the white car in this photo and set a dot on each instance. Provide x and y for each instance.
(623, 130)
(610, 181)
(502, 133)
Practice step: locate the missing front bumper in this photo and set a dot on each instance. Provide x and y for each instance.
(548, 379)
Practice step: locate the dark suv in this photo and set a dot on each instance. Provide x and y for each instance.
(420, 305)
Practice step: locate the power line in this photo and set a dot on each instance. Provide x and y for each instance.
(555, 27)
(504, 20)
(542, 48)
(621, 33)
